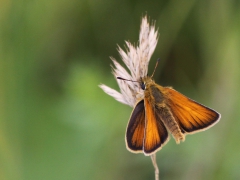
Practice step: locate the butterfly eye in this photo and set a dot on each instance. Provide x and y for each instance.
(143, 85)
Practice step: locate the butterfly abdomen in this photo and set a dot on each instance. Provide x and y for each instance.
(169, 121)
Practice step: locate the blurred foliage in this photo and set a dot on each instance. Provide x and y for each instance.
(56, 123)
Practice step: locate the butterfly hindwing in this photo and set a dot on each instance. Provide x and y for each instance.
(156, 134)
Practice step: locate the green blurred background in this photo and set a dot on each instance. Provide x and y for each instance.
(57, 124)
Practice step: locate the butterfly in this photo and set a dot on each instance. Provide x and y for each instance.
(164, 110)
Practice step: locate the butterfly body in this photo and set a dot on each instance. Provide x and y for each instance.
(156, 97)
(164, 110)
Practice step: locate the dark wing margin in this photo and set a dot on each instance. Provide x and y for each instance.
(135, 129)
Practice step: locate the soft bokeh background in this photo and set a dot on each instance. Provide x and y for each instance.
(57, 124)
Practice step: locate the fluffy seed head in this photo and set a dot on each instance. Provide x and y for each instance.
(136, 60)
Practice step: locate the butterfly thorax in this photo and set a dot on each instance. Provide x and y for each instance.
(152, 91)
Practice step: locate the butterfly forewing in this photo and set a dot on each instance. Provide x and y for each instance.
(135, 128)
(190, 115)
(155, 132)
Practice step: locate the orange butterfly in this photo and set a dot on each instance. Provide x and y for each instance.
(164, 110)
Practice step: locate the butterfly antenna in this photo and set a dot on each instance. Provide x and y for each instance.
(155, 67)
(126, 79)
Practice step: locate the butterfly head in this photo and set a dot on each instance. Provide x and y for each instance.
(145, 82)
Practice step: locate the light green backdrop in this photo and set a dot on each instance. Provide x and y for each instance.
(57, 124)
